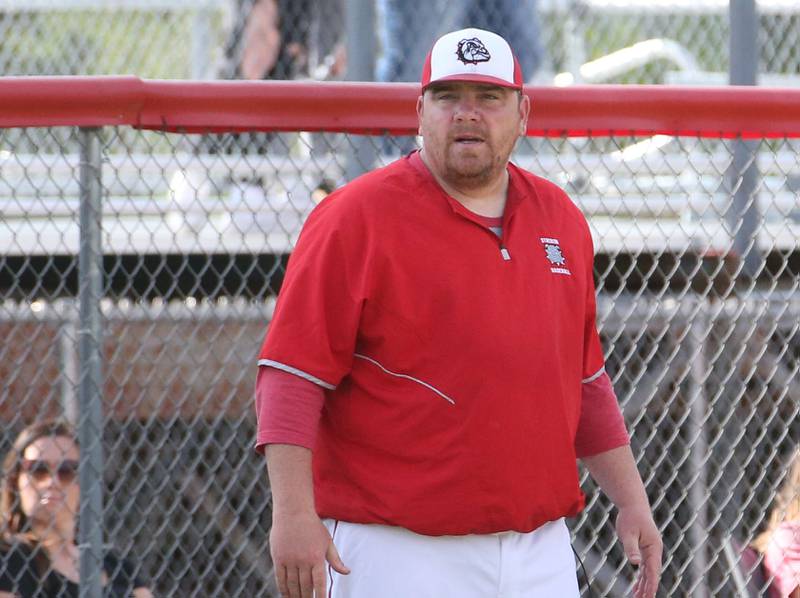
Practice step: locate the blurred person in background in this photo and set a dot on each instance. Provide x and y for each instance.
(39, 501)
(779, 543)
(279, 40)
(433, 369)
(406, 30)
(285, 39)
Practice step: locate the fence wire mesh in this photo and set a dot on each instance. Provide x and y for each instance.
(615, 41)
(698, 311)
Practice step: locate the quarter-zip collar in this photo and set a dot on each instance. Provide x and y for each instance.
(513, 200)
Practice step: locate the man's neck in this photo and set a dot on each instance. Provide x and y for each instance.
(486, 200)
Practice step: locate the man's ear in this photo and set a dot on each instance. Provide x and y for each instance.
(419, 115)
(524, 113)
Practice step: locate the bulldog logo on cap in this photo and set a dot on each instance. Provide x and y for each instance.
(472, 51)
(472, 55)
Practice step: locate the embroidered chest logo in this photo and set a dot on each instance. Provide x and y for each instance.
(472, 51)
(552, 250)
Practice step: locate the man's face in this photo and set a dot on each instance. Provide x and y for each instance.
(469, 130)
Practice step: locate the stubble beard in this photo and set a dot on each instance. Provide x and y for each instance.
(473, 171)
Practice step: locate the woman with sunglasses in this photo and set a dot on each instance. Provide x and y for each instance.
(39, 500)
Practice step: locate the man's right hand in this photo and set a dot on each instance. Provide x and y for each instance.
(301, 546)
(299, 542)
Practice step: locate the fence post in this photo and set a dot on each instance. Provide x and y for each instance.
(360, 27)
(90, 418)
(743, 215)
(201, 34)
(67, 335)
(697, 425)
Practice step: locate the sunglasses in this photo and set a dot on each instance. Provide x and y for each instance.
(39, 470)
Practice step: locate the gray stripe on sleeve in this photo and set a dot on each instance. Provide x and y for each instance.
(594, 376)
(289, 369)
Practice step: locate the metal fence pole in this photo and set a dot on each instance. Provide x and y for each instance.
(90, 418)
(67, 334)
(744, 214)
(201, 37)
(698, 451)
(743, 43)
(361, 52)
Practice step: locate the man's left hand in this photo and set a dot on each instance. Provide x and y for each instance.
(642, 543)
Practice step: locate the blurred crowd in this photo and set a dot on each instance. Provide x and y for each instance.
(290, 39)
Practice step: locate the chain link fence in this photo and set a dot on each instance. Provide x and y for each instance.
(593, 41)
(697, 276)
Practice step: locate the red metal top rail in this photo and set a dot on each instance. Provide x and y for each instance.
(375, 108)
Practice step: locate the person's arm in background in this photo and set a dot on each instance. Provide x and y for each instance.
(782, 559)
(616, 473)
(137, 593)
(13, 566)
(262, 40)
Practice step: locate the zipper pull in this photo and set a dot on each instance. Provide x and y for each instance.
(505, 254)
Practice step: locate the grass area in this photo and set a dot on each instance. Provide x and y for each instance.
(149, 44)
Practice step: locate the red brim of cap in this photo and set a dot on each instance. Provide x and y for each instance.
(474, 78)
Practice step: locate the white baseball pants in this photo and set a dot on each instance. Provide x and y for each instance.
(392, 562)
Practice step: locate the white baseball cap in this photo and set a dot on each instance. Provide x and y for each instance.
(472, 55)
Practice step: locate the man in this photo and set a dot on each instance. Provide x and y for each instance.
(434, 347)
